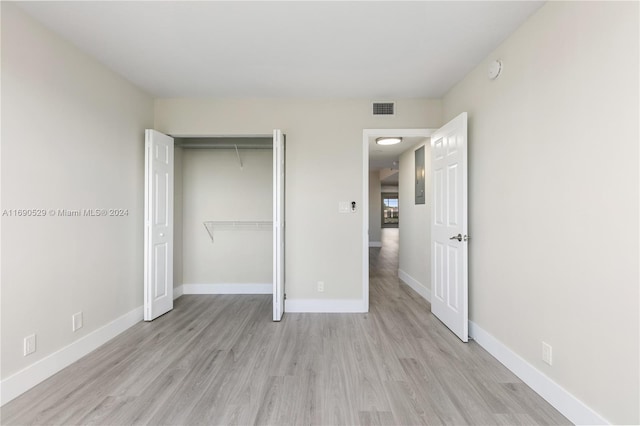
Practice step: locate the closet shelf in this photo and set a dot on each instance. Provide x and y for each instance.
(236, 225)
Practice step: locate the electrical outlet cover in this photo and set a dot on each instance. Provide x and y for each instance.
(29, 344)
(547, 353)
(76, 321)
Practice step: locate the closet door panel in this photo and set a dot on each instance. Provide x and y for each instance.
(278, 224)
(158, 229)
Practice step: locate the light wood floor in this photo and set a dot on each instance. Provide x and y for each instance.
(220, 360)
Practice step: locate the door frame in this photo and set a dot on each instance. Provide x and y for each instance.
(367, 135)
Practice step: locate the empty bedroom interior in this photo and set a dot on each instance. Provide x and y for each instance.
(553, 186)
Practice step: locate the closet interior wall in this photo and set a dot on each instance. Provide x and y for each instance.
(223, 179)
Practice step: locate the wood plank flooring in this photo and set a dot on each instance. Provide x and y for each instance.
(219, 360)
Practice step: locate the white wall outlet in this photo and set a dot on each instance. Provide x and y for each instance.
(344, 207)
(29, 344)
(76, 321)
(320, 286)
(547, 353)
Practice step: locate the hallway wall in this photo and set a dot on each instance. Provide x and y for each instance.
(415, 224)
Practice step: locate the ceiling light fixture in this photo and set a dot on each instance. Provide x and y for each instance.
(388, 140)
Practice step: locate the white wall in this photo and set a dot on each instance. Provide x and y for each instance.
(72, 138)
(375, 203)
(324, 167)
(553, 184)
(414, 259)
(216, 188)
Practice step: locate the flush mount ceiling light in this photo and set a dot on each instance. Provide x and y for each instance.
(388, 140)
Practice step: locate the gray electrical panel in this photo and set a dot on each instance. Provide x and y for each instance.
(419, 176)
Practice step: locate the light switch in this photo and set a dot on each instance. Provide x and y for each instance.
(344, 207)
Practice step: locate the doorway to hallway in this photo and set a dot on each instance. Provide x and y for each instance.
(383, 266)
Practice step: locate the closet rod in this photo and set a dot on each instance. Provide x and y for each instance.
(196, 145)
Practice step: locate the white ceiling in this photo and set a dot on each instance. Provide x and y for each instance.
(361, 49)
(384, 156)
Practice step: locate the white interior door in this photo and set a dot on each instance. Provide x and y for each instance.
(449, 250)
(158, 229)
(278, 224)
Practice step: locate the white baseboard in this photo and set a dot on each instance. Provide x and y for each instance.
(420, 288)
(570, 406)
(325, 306)
(178, 291)
(227, 288)
(375, 243)
(20, 382)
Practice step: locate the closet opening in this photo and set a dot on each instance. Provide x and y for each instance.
(224, 198)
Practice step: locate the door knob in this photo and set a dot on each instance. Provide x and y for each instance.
(456, 237)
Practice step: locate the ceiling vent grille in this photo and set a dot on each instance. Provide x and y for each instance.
(384, 108)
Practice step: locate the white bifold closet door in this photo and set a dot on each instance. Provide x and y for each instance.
(158, 226)
(449, 247)
(278, 224)
(158, 229)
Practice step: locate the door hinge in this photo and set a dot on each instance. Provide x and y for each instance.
(285, 296)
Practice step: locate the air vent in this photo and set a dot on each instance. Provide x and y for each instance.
(384, 108)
